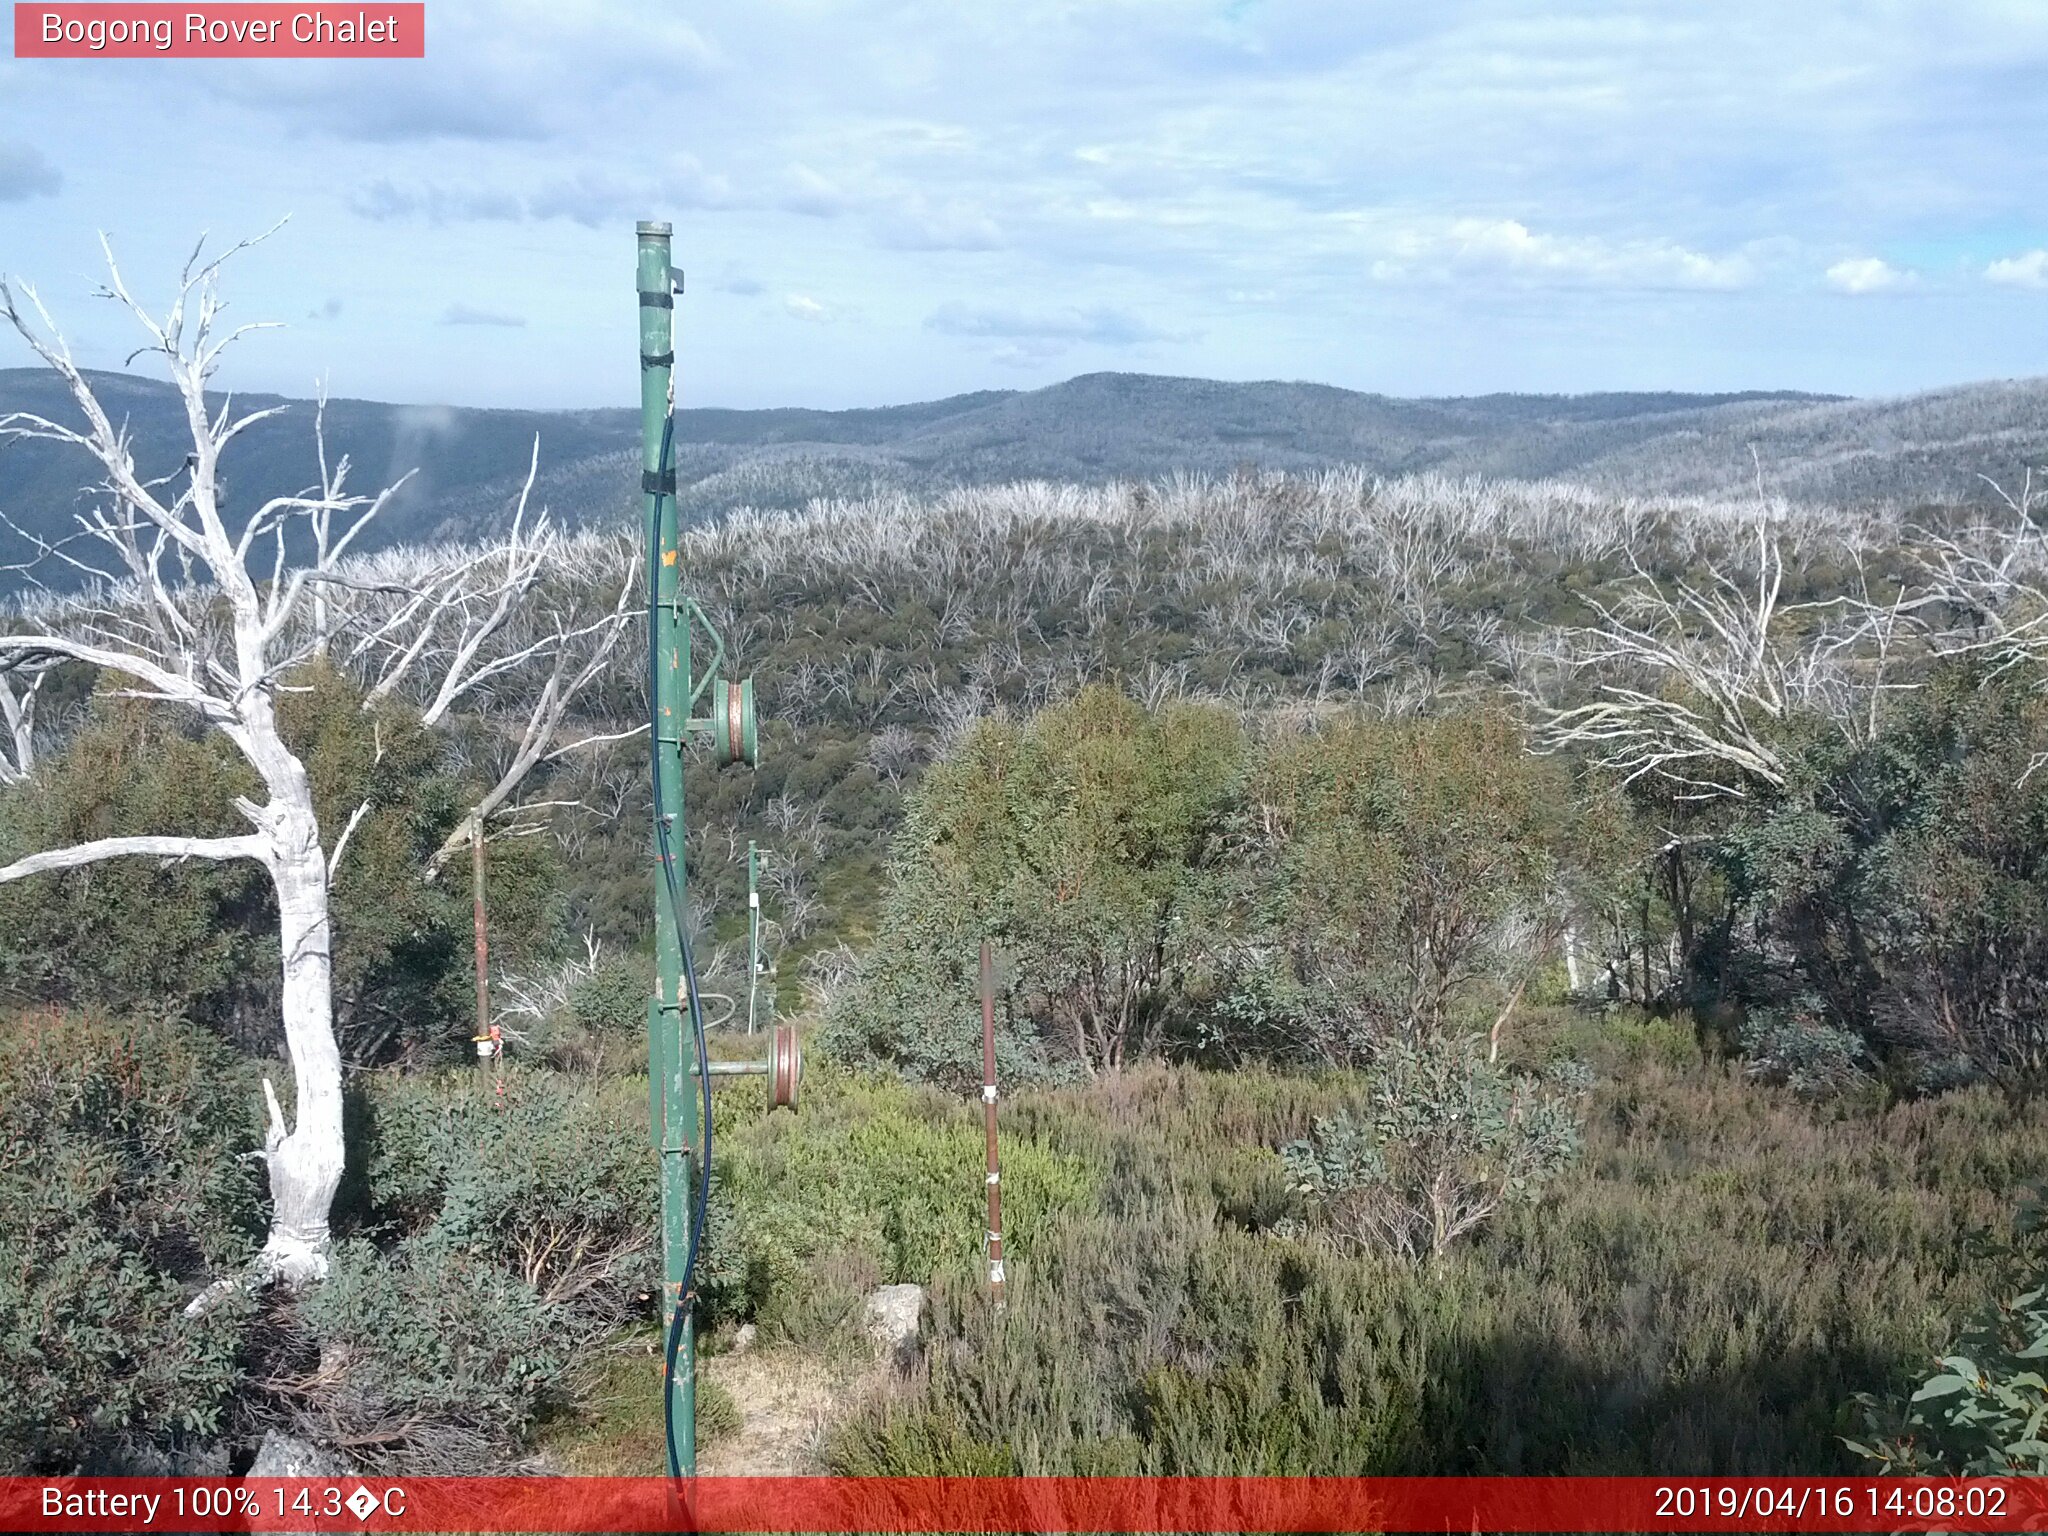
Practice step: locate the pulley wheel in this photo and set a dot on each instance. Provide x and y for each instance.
(736, 734)
(785, 1068)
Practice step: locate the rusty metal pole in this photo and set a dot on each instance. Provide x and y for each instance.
(988, 1114)
(483, 946)
(753, 936)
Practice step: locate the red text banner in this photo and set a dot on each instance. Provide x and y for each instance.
(786, 1504)
(108, 29)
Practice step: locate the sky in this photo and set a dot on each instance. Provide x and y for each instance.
(884, 202)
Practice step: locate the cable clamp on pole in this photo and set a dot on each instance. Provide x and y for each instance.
(658, 482)
(656, 298)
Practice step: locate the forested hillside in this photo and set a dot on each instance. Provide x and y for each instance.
(467, 465)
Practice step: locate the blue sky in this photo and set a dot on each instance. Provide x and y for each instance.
(882, 202)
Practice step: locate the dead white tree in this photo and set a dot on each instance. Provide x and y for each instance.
(524, 624)
(181, 620)
(18, 715)
(894, 751)
(200, 611)
(1988, 581)
(1691, 681)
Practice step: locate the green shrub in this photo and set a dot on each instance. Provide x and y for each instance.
(1445, 1140)
(431, 1358)
(125, 1185)
(1379, 866)
(1796, 1047)
(1982, 1413)
(501, 1234)
(1704, 1296)
(612, 1000)
(198, 938)
(138, 935)
(1084, 844)
(1151, 1343)
(551, 1179)
(1154, 884)
(874, 1182)
(1632, 1041)
(885, 1176)
(1908, 880)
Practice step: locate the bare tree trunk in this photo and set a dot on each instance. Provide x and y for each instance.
(306, 1159)
(482, 929)
(1500, 1021)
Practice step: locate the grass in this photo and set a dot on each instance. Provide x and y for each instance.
(1704, 1293)
(616, 1429)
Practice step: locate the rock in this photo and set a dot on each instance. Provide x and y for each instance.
(283, 1455)
(892, 1316)
(743, 1338)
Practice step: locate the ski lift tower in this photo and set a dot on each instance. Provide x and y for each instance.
(679, 1065)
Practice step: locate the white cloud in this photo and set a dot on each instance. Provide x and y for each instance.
(1469, 247)
(1101, 326)
(920, 226)
(2027, 271)
(516, 72)
(812, 195)
(25, 173)
(464, 314)
(592, 197)
(805, 307)
(1865, 274)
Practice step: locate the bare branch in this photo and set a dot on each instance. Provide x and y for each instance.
(170, 849)
(1691, 682)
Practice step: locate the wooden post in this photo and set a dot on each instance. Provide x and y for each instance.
(988, 1112)
(753, 936)
(483, 945)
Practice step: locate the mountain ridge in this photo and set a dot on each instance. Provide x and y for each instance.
(468, 461)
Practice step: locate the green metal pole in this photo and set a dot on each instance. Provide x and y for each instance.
(753, 934)
(670, 1046)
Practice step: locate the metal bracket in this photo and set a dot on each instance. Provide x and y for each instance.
(697, 615)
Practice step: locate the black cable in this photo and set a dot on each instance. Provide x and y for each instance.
(685, 1295)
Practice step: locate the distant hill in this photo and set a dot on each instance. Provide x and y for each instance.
(1097, 427)
(1914, 449)
(454, 453)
